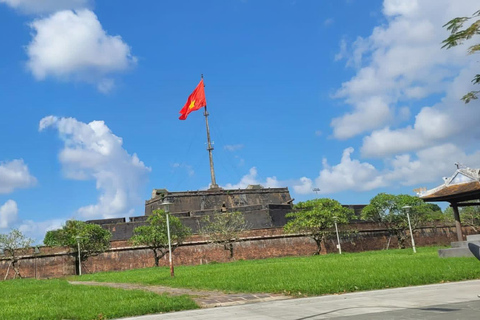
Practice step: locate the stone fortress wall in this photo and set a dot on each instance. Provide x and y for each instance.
(262, 208)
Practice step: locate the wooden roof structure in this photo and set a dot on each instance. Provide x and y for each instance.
(457, 193)
(461, 189)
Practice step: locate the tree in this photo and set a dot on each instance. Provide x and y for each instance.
(470, 216)
(93, 238)
(458, 35)
(14, 245)
(436, 215)
(224, 228)
(387, 210)
(434, 207)
(317, 219)
(154, 235)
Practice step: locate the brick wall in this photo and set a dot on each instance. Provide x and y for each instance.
(255, 244)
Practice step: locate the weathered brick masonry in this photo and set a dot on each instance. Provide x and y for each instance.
(261, 207)
(256, 244)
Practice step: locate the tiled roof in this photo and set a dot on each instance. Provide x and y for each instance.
(454, 193)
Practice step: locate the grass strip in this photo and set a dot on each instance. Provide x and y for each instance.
(26, 299)
(313, 275)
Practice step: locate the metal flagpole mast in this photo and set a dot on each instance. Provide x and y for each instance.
(210, 148)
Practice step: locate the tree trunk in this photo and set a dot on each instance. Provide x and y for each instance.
(16, 269)
(319, 246)
(229, 246)
(8, 270)
(157, 258)
(231, 250)
(401, 240)
(388, 242)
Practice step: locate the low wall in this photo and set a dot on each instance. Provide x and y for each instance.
(255, 244)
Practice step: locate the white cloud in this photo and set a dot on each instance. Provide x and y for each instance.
(233, 147)
(429, 165)
(401, 60)
(370, 114)
(349, 174)
(425, 166)
(328, 22)
(251, 178)
(450, 120)
(37, 229)
(241, 161)
(45, 6)
(72, 46)
(14, 174)
(106, 85)
(402, 74)
(343, 53)
(303, 186)
(186, 167)
(9, 219)
(400, 7)
(8, 214)
(92, 151)
(271, 182)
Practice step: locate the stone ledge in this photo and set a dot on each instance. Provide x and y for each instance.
(454, 253)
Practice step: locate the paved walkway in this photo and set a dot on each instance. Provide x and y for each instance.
(205, 299)
(456, 300)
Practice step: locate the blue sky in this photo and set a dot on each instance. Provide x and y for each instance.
(351, 97)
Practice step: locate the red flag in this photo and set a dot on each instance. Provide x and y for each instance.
(195, 101)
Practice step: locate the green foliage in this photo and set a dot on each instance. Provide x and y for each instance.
(29, 299)
(387, 209)
(434, 207)
(436, 215)
(53, 238)
(469, 216)
(92, 237)
(458, 35)
(224, 228)
(14, 241)
(13, 245)
(312, 275)
(155, 236)
(317, 219)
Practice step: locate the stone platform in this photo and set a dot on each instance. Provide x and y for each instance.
(460, 248)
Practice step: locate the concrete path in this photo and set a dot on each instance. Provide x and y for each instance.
(457, 300)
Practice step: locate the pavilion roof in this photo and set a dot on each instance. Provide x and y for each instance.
(463, 185)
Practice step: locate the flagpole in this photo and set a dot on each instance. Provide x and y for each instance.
(210, 149)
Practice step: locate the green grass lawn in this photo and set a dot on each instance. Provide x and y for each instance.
(314, 275)
(57, 299)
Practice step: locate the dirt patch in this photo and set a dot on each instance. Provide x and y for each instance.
(205, 299)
